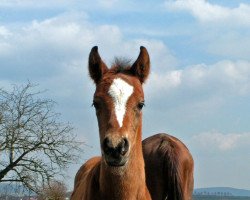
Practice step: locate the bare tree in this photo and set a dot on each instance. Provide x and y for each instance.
(56, 191)
(35, 146)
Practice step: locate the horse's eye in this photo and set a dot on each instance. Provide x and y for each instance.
(140, 105)
(96, 105)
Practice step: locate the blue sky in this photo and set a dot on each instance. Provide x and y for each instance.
(199, 87)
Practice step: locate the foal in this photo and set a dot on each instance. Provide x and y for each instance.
(119, 174)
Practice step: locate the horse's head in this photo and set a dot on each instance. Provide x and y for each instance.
(118, 101)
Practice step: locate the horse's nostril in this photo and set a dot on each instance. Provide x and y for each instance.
(123, 146)
(105, 146)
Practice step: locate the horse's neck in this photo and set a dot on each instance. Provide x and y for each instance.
(127, 182)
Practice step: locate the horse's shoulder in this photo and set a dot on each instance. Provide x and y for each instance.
(87, 168)
(88, 173)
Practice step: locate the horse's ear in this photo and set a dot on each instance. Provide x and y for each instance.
(96, 66)
(141, 67)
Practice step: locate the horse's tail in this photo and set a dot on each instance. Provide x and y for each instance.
(174, 189)
(171, 169)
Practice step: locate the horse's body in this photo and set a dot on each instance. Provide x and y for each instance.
(119, 174)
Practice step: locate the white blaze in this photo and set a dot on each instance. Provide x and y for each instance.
(120, 91)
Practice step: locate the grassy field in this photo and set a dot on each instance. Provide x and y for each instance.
(210, 197)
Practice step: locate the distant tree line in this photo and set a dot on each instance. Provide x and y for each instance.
(215, 197)
(206, 193)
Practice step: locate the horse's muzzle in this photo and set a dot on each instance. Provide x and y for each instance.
(115, 155)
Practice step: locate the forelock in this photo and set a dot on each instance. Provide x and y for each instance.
(121, 65)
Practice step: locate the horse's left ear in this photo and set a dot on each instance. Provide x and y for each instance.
(96, 66)
(141, 67)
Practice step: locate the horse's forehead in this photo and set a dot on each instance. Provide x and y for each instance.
(120, 91)
(120, 82)
(120, 87)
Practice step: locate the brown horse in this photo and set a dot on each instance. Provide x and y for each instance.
(119, 174)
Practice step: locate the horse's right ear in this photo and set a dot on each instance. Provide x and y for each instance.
(96, 66)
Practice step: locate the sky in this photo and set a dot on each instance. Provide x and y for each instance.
(198, 89)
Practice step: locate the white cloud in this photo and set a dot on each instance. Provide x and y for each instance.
(5, 47)
(222, 78)
(200, 92)
(4, 32)
(165, 81)
(213, 141)
(205, 11)
(52, 44)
